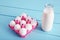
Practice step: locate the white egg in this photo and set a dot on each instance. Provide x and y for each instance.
(17, 27)
(12, 23)
(29, 27)
(23, 22)
(29, 18)
(23, 31)
(34, 22)
(18, 18)
(24, 14)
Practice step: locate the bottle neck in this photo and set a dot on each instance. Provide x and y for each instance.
(48, 8)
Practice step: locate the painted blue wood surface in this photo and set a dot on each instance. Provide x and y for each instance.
(9, 9)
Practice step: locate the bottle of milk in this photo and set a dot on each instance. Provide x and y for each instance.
(48, 18)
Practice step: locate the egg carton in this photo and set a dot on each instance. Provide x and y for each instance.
(23, 24)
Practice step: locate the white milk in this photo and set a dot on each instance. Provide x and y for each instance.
(48, 18)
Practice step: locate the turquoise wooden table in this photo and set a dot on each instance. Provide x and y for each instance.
(9, 9)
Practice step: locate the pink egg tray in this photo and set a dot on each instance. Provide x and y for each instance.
(23, 25)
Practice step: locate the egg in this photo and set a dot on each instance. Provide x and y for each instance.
(28, 20)
(29, 27)
(12, 23)
(28, 17)
(34, 23)
(24, 14)
(23, 31)
(23, 22)
(18, 18)
(17, 27)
